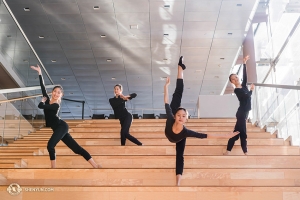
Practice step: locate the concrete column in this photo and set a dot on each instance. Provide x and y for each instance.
(248, 49)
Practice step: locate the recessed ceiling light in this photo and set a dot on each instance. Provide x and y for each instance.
(229, 33)
(53, 61)
(26, 9)
(167, 6)
(166, 34)
(108, 60)
(113, 78)
(25, 60)
(96, 7)
(103, 36)
(63, 79)
(134, 26)
(41, 36)
(222, 58)
(71, 93)
(239, 4)
(165, 59)
(8, 35)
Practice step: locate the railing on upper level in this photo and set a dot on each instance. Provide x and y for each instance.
(276, 107)
(19, 114)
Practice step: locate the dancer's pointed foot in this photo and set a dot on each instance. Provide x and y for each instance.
(181, 64)
(227, 153)
(178, 179)
(246, 153)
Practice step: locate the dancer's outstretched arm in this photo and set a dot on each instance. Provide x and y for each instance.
(222, 135)
(166, 92)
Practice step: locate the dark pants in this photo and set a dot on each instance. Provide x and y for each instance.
(61, 133)
(241, 117)
(180, 146)
(125, 126)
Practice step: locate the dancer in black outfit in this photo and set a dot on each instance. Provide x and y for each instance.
(175, 130)
(244, 97)
(60, 128)
(121, 113)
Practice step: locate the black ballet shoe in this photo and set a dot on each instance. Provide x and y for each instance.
(180, 63)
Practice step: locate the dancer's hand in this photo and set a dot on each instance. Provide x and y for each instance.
(123, 97)
(252, 86)
(44, 99)
(246, 58)
(37, 68)
(232, 134)
(167, 81)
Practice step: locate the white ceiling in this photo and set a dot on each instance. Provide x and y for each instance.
(197, 29)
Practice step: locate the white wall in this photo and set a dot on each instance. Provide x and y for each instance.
(214, 106)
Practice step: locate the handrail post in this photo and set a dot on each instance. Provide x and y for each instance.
(83, 109)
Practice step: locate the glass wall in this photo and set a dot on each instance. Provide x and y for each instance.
(277, 48)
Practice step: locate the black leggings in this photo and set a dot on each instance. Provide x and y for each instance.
(180, 146)
(61, 133)
(125, 126)
(241, 117)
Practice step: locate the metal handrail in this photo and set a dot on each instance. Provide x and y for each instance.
(5, 91)
(292, 87)
(21, 98)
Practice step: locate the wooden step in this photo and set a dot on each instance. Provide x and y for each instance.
(19, 163)
(152, 142)
(7, 165)
(152, 177)
(157, 193)
(160, 124)
(213, 120)
(161, 129)
(170, 150)
(139, 135)
(165, 162)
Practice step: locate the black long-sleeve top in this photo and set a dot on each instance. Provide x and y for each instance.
(173, 137)
(50, 110)
(118, 105)
(243, 94)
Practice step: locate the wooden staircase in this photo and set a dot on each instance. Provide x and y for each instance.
(271, 171)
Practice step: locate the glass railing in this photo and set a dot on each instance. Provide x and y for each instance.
(276, 107)
(16, 53)
(19, 114)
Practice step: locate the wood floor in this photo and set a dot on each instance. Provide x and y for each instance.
(271, 171)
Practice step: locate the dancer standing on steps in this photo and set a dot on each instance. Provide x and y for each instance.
(175, 130)
(60, 128)
(121, 113)
(244, 97)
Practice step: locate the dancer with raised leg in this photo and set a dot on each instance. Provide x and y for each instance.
(60, 128)
(244, 97)
(175, 130)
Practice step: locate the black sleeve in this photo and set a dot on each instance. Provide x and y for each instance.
(44, 92)
(44, 106)
(133, 95)
(169, 111)
(190, 133)
(242, 94)
(244, 76)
